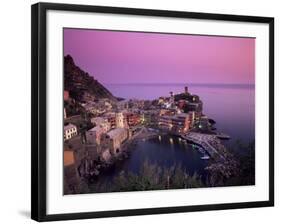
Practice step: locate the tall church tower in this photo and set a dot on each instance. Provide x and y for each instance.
(172, 98)
(186, 90)
(120, 123)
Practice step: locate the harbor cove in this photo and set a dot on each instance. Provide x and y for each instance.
(171, 150)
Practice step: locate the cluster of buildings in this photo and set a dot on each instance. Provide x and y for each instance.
(114, 124)
(93, 106)
(123, 119)
(178, 123)
(97, 108)
(180, 112)
(184, 102)
(109, 132)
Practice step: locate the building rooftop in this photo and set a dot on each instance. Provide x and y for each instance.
(97, 128)
(69, 126)
(98, 120)
(116, 132)
(182, 115)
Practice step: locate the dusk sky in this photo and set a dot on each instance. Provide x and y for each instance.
(130, 57)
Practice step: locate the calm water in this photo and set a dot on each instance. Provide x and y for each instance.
(232, 107)
(165, 151)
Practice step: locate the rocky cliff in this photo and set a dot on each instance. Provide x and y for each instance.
(79, 82)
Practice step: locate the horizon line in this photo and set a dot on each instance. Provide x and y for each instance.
(188, 84)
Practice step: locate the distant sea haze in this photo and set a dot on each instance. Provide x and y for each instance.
(232, 106)
(188, 84)
(210, 85)
(150, 91)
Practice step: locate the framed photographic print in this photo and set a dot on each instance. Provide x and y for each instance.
(140, 111)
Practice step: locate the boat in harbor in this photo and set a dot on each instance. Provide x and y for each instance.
(205, 157)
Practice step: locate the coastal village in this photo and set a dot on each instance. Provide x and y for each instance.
(98, 131)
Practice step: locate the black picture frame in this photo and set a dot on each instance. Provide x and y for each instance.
(38, 108)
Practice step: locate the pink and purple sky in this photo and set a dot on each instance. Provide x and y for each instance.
(135, 57)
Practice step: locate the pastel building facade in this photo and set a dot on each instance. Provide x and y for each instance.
(115, 138)
(132, 119)
(192, 118)
(179, 123)
(70, 131)
(65, 95)
(94, 135)
(120, 120)
(102, 122)
(116, 120)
